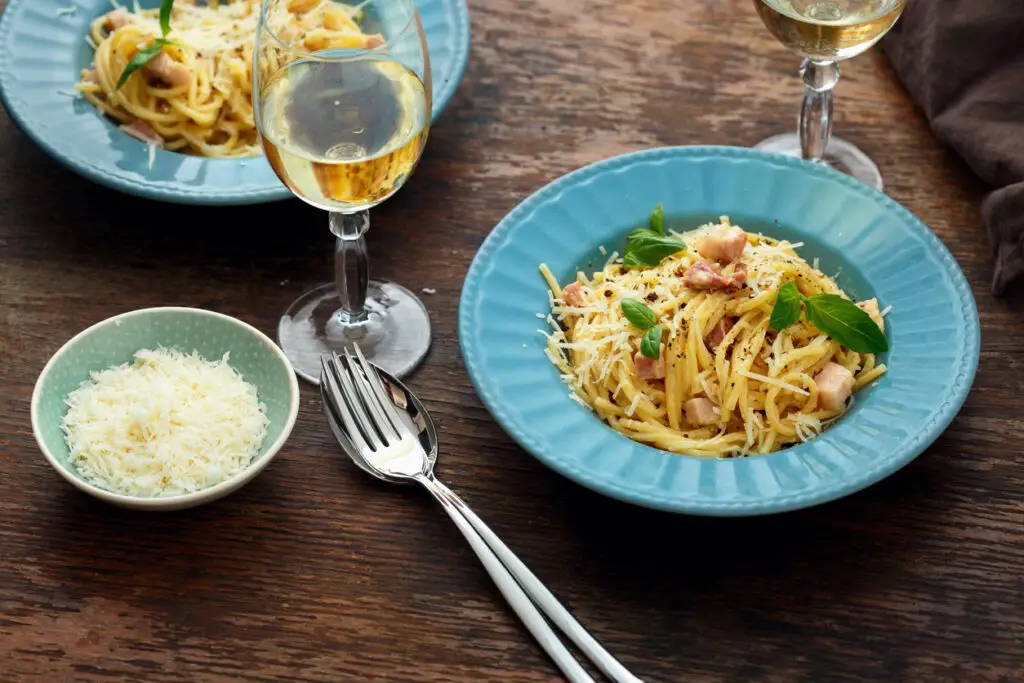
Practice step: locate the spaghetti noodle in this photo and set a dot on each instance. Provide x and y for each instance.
(725, 384)
(195, 97)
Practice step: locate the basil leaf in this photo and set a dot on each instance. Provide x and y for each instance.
(657, 219)
(638, 314)
(840, 319)
(650, 249)
(165, 16)
(141, 59)
(650, 345)
(787, 307)
(641, 233)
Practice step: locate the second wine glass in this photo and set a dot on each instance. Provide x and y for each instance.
(824, 32)
(342, 99)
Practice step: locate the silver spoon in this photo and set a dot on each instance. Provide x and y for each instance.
(388, 433)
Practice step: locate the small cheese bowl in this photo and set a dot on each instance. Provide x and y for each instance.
(115, 341)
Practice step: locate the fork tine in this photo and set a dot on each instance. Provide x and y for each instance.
(333, 392)
(365, 382)
(385, 402)
(351, 396)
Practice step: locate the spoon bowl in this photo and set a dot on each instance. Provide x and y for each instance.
(408, 410)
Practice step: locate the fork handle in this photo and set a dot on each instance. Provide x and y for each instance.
(533, 586)
(508, 586)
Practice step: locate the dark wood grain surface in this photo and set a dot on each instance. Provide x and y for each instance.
(315, 572)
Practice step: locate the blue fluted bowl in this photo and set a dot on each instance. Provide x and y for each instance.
(877, 247)
(42, 53)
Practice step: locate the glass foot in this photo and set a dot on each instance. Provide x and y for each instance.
(395, 335)
(839, 154)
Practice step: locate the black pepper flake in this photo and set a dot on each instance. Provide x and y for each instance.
(651, 298)
(608, 293)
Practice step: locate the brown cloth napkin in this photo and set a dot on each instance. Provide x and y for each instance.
(963, 63)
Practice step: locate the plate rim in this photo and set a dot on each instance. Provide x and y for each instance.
(937, 421)
(456, 11)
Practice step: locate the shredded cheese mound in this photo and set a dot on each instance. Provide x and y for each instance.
(165, 425)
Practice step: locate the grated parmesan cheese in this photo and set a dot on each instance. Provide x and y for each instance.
(167, 424)
(632, 406)
(577, 399)
(773, 381)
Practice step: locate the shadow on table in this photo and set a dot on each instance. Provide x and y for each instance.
(77, 217)
(844, 547)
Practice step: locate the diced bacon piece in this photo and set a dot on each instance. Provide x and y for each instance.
(702, 276)
(118, 18)
(572, 294)
(870, 307)
(724, 244)
(140, 130)
(835, 384)
(374, 41)
(167, 71)
(739, 274)
(701, 411)
(90, 76)
(648, 368)
(718, 332)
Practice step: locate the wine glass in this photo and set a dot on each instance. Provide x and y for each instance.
(343, 119)
(824, 32)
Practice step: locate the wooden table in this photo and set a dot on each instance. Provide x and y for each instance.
(315, 572)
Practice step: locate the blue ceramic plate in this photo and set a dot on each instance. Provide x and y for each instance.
(42, 52)
(878, 248)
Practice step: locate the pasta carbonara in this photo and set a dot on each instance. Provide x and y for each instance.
(721, 382)
(195, 96)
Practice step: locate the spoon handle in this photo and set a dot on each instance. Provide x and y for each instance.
(513, 592)
(536, 590)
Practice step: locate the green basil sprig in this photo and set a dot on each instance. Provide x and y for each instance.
(647, 247)
(643, 317)
(650, 343)
(839, 318)
(145, 55)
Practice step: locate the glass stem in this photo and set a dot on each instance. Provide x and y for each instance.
(816, 114)
(351, 264)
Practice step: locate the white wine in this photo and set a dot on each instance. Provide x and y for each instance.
(344, 135)
(828, 30)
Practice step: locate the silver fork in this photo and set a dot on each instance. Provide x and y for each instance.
(387, 432)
